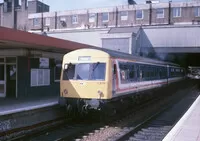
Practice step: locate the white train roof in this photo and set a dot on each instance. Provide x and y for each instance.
(122, 55)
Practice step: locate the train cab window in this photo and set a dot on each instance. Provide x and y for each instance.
(69, 72)
(82, 71)
(85, 71)
(98, 71)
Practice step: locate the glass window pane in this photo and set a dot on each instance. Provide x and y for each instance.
(105, 16)
(139, 14)
(85, 71)
(92, 17)
(82, 71)
(1, 72)
(98, 71)
(11, 60)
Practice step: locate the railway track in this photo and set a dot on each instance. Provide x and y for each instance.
(134, 123)
(75, 129)
(83, 130)
(156, 127)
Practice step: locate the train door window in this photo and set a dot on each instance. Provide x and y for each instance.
(123, 72)
(137, 72)
(69, 71)
(114, 69)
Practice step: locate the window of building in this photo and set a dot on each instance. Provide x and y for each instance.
(7, 6)
(74, 19)
(92, 17)
(39, 8)
(197, 11)
(177, 12)
(57, 70)
(63, 21)
(26, 4)
(20, 2)
(124, 15)
(139, 14)
(40, 77)
(35, 22)
(160, 13)
(105, 17)
(47, 21)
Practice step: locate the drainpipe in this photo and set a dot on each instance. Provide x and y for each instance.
(150, 13)
(42, 21)
(56, 20)
(15, 15)
(116, 22)
(169, 17)
(97, 20)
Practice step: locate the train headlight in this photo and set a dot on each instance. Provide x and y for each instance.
(100, 93)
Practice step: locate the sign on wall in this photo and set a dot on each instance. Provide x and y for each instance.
(44, 63)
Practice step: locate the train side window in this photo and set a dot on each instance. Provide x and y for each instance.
(131, 72)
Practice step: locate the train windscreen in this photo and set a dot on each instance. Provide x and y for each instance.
(85, 71)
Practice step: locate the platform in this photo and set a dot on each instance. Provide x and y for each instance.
(24, 114)
(188, 127)
(11, 106)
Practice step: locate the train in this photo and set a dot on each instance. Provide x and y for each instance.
(193, 72)
(91, 78)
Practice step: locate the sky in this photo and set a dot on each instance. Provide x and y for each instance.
(61, 5)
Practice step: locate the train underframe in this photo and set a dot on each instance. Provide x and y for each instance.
(110, 107)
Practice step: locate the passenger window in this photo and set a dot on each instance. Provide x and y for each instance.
(132, 72)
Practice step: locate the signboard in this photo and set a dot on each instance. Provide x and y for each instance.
(44, 62)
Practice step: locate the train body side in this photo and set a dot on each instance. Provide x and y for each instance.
(133, 76)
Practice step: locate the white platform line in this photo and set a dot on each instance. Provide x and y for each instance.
(175, 130)
(28, 108)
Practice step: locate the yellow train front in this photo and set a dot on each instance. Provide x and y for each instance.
(85, 81)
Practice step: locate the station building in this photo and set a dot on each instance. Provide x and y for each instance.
(30, 64)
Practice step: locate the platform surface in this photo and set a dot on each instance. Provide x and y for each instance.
(10, 106)
(188, 127)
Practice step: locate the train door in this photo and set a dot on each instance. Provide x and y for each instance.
(168, 74)
(114, 82)
(2, 80)
(11, 80)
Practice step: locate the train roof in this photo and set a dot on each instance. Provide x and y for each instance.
(122, 55)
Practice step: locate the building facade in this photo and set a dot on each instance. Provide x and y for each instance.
(14, 13)
(126, 15)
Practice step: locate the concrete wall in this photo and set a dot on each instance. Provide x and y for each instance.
(90, 37)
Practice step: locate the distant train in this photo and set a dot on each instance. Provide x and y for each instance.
(92, 78)
(193, 72)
